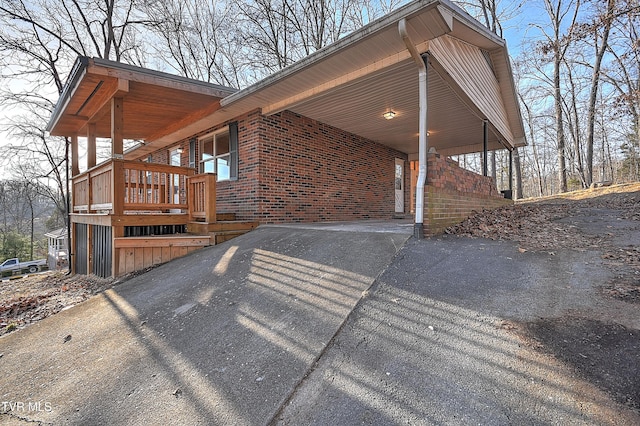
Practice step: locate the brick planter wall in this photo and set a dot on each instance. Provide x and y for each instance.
(452, 194)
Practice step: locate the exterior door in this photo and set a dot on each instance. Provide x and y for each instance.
(399, 185)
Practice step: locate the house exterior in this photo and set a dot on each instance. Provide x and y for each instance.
(361, 129)
(57, 249)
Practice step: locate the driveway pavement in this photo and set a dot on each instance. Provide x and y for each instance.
(221, 336)
(441, 339)
(272, 328)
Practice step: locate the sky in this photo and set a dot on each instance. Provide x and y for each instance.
(515, 22)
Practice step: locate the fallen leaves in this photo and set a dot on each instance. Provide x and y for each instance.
(533, 225)
(36, 297)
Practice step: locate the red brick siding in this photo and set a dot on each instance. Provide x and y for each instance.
(444, 173)
(295, 169)
(452, 194)
(310, 171)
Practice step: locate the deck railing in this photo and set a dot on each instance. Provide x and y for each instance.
(202, 197)
(117, 186)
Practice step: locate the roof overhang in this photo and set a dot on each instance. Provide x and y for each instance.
(349, 85)
(353, 82)
(155, 104)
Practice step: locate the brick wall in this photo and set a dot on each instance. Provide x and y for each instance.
(310, 171)
(452, 194)
(295, 169)
(242, 196)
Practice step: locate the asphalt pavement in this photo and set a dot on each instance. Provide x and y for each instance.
(318, 325)
(221, 336)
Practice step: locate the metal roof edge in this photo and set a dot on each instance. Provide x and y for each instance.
(472, 23)
(382, 22)
(160, 74)
(78, 70)
(331, 49)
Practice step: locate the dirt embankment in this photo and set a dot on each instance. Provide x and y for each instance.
(581, 220)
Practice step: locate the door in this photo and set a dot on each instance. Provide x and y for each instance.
(399, 185)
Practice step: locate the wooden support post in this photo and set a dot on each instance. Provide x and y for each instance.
(117, 128)
(116, 232)
(91, 145)
(117, 187)
(75, 168)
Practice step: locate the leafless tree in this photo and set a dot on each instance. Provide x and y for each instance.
(198, 39)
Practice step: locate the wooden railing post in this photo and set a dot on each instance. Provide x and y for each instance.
(210, 198)
(201, 197)
(117, 196)
(89, 192)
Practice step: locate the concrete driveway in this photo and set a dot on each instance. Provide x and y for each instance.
(272, 327)
(222, 336)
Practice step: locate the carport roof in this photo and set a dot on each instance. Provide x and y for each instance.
(349, 85)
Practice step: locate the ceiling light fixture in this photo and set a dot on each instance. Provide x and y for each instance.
(389, 115)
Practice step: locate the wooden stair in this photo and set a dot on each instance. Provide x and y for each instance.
(225, 228)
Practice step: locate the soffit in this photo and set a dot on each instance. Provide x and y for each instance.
(351, 84)
(154, 103)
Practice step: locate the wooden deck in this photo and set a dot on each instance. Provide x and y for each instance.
(172, 208)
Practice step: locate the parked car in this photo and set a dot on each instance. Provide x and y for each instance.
(13, 266)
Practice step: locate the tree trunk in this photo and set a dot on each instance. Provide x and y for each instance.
(595, 83)
(562, 166)
(518, 169)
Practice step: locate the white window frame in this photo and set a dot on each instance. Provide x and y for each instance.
(214, 159)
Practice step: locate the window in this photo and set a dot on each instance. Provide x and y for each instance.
(174, 157)
(174, 160)
(218, 153)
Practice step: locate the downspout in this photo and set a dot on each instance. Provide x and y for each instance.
(418, 227)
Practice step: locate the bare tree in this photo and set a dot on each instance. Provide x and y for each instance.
(557, 44)
(622, 74)
(600, 30)
(198, 39)
(39, 42)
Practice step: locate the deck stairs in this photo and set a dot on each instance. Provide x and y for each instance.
(223, 229)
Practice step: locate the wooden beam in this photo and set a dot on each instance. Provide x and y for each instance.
(91, 145)
(184, 122)
(162, 241)
(91, 218)
(117, 127)
(108, 89)
(75, 168)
